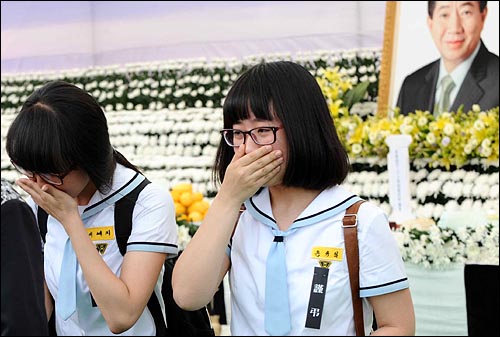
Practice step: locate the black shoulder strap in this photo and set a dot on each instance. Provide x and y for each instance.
(124, 208)
(42, 217)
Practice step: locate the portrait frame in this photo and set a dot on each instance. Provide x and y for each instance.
(408, 45)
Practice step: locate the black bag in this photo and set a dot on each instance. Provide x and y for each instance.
(180, 322)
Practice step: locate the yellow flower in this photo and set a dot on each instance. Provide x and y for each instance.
(190, 206)
(452, 139)
(339, 92)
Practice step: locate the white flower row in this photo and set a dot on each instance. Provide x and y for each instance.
(426, 183)
(438, 247)
(180, 84)
(332, 56)
(178, 146)
(435, 211)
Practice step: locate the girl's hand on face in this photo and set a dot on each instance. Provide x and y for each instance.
(55, 202)
(247, 173)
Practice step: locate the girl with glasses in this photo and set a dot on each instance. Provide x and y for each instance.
(281, 157)
(60, 142)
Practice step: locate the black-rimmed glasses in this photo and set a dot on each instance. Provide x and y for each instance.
(51, 178)
(264, 135)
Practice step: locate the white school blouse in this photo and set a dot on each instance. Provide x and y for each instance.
(153, 225)
(381, 266)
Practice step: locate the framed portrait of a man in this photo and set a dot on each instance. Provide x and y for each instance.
(412, 39)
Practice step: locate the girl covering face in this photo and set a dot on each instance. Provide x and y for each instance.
(60, 142)
(281, 157)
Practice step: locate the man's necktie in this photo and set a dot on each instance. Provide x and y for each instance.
(66, 295)
(447, 86)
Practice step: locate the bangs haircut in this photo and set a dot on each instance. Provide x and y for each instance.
(45, 147)
(288, 92)
(61, 127)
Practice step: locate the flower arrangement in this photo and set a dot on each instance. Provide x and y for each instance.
(451, 139)
(190, 209)
(337, 87)
(436, 247)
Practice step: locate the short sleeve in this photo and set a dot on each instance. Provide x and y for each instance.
(381, 265)
(154, 226)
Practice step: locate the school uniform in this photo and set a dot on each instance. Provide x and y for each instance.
(319, 225)
(154, 230)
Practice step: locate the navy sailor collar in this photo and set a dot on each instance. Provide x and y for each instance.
(328, 203)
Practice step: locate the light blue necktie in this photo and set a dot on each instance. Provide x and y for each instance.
(277, 309)
(66, 295)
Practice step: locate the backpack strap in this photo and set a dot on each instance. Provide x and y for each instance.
(42, 218)
(350, 225)
(124, 208)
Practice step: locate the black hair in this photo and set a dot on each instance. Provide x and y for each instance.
(60, 127)
(287, 91)
(431, 5)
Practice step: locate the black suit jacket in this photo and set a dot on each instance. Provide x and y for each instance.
(480, 86)
(22, 291)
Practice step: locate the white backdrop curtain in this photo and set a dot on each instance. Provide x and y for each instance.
(51, 35)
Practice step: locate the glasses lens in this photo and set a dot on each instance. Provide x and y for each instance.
(263, 136)
(51, 178)
(28, 174)
(233, 137)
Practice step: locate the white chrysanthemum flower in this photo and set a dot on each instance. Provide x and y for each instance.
(486, 142)
(479, 125)
(183, 237)
(485, 151)
(422, 121)
(431, 138)
(356, 148)
(445, 141)
(449, 129)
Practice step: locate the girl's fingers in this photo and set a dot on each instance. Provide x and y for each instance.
(239, 153)
(40, 195)
(268, 176)
(28, 186)
(254, 156)
(268, 171)
(248, 172)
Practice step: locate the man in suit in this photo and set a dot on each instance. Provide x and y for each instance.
(456, 28)
(23, 300)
